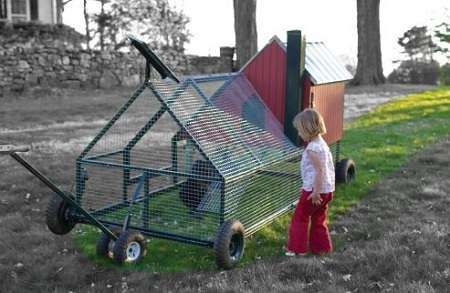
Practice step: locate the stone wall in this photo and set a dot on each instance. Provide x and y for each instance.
(49, 67)
(51, 56)
(211, 64)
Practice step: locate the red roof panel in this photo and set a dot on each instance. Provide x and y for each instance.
(267, 73)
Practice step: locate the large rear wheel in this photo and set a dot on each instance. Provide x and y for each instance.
(58, 216)
(345, 171)
(229, 244)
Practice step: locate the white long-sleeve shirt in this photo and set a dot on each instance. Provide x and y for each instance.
(308, 172)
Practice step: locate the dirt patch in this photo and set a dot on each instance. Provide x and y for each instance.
(74, 118)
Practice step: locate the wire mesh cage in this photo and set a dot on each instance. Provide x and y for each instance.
(180, 159)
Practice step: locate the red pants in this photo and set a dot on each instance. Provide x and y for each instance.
(306, 212)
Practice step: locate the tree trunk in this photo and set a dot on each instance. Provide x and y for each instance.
(369, 69)
(59, 11)
(86, 22)
(245, 30)
(101, 25)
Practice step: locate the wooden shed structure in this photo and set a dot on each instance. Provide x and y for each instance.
(297, 75)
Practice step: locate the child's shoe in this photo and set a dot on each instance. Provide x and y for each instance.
(291, 254)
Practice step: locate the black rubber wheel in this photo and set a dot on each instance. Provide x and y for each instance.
(345, 171)
(57, 216)
(129, 247)
(105, 245)
(193, 190)
(229, 244)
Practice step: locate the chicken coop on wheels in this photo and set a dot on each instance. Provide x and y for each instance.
(202, 160)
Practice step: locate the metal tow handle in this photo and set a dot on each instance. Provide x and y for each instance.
(13, 150)
(10, 149)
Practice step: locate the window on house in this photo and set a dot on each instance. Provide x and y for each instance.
(34, 14)
(19, 10)
(3, 9)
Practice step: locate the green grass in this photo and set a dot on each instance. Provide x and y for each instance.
(379, 142)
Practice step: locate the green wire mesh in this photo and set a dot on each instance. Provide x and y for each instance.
(184, 158)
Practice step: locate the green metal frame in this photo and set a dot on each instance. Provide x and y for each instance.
(147, 173)
(295, 68)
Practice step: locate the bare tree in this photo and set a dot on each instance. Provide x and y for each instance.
(86, 22)
(369, 69)
(160, 25)
(60, 9)
(102, 20)
(245, 30)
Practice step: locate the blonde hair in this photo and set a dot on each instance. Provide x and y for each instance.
(309, 124)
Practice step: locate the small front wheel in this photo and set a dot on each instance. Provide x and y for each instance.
(57, 216)
(229, 244)
(129, 247)
(345, 171)
(105, 245)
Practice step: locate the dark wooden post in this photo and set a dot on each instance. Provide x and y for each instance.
(226, 59)
(295, 67)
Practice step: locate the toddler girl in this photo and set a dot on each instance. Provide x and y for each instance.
(317, 171)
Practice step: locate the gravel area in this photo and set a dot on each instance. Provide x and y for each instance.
(363, 99)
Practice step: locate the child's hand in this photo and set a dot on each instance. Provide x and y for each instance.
(315, 198)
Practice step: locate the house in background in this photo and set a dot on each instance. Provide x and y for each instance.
(43, 11)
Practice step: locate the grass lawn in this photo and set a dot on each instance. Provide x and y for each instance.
(379, 142)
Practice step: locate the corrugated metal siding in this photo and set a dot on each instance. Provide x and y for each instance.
(267, 73)
(323, 66)
(329, 101)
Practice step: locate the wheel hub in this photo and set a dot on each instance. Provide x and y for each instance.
(133, 251)
(232, 250)
(235, 247)
(350, 174)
